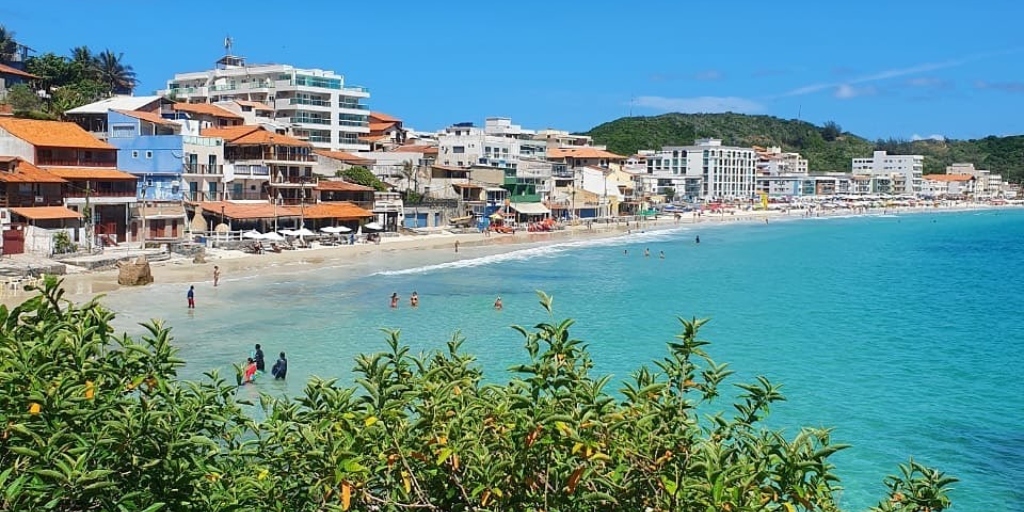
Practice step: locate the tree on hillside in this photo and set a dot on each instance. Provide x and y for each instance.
(8, 45)
(831, 131)
(115, 74)
(93, 420)
(23, 99)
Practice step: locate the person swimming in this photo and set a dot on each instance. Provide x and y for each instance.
(394, 300)
(414, 299)
(497, 303)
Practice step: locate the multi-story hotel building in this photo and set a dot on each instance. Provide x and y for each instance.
(707, 170)
(905, 171)
(316, 105)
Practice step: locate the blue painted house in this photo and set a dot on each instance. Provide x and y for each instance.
(151, 148)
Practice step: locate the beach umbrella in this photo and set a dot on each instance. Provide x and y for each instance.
(343, 229)
(373, 226)
(287, 232)
(253, 234)
(272, 237)
(304, 232)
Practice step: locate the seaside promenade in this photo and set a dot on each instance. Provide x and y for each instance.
(82, 284)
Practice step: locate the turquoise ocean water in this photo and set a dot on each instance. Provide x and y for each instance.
(903, 333)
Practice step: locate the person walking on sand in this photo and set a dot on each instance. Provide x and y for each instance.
(456, 246)
(394, 300)
(414, 299)
(216, 275)
(497, 303)
(191, 295)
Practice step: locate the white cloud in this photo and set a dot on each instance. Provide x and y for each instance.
(847, 91)
(929, 137)
(699, 104)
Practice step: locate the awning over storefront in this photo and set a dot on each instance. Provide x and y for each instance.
(159, 211)
(46, 212)
(530, 208)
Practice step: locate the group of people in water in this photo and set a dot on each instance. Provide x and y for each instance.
(256, 365)
(414, 301)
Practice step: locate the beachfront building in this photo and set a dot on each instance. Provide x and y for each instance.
(88, 164)
(897, 174)
(32, 209)
(949, 186)
(496, 145)
(94, 117)
(554, 139)
(986, 183)
(386, 132)
(772, 161)
(316, 105)
(705, 171)
(329, 163)
(261, 165)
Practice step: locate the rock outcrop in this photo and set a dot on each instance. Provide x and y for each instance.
(134, 273)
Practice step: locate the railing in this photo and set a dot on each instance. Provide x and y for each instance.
(354, 106)
(204, 169)
(23, 200)
(76, 163)
(245, 196)
(289, 157)
(296, 180)
(304, 101)
(319, 138)
(309, 120)
(100, 193)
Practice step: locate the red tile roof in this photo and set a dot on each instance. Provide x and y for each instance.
(412, 148)
(383, 118)
(89, 173)
(381, 127)
(253, 135)
(53, 134)
(46, 212)
(206, 109)
(22, 171)
(948, 177)
(344, 156)
(255, 105)
(7, 70)
(147, 116)
(342, 210)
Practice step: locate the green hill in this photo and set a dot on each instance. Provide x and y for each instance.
(827, 148)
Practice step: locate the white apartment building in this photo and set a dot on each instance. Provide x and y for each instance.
(705, 171)
(773, 161)
(905, 171)
(986, 183)
(315, 104)
(498, 144)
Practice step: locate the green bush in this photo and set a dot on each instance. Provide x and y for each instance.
(97, 421)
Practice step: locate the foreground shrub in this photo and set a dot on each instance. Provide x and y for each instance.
(95, 421)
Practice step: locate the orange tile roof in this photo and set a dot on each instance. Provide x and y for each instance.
(344, 157)
(583, 152)
(147, 116)
(7, 70)
(46, 212)
(381, 127)
(253, 135)
(341, 210)
(384, 118)
(373, 138)
(255, 105)
(23, 171)
(948, 177)
(342, 186)
(54, 134)
(89, 173)
(246, 211)
(413, 148)
(206, 109)
(229, 132)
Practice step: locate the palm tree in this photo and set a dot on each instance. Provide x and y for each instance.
(8, 45)
(408, 173)
(117, 76)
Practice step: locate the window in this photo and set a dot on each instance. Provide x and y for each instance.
(135, 154)
(149, 154)
(458, 149)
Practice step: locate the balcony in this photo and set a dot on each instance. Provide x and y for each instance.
(74, 162)
(304, 101)
(302, 181)
(23, 200)
(99, 193)
(256, 156)
(204, 169)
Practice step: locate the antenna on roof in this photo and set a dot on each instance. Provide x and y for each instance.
(228, 43)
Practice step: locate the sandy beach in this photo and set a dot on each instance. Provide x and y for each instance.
(83, 285)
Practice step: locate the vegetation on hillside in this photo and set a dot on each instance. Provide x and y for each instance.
(66, 82)
(362, 176)
(827, 148)
(96, 421)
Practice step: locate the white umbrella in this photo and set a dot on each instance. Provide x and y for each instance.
(335, 229)
(287, 232)
(272, 237)
(304, 232)
(373, 225)
(252, 233)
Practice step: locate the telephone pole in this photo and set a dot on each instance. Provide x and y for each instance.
(90, 228)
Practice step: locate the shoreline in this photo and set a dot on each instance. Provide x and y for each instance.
(85, 285)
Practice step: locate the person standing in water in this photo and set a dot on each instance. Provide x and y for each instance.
(250, 372)
(661, 254)
(216, 275)
(497, 303)
(647, 252)
(191, 295)
(257, 356)
(414, 299)
(394, 300)
(280, 369)
(698, 239)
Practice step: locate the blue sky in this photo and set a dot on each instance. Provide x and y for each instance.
(879, 69)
